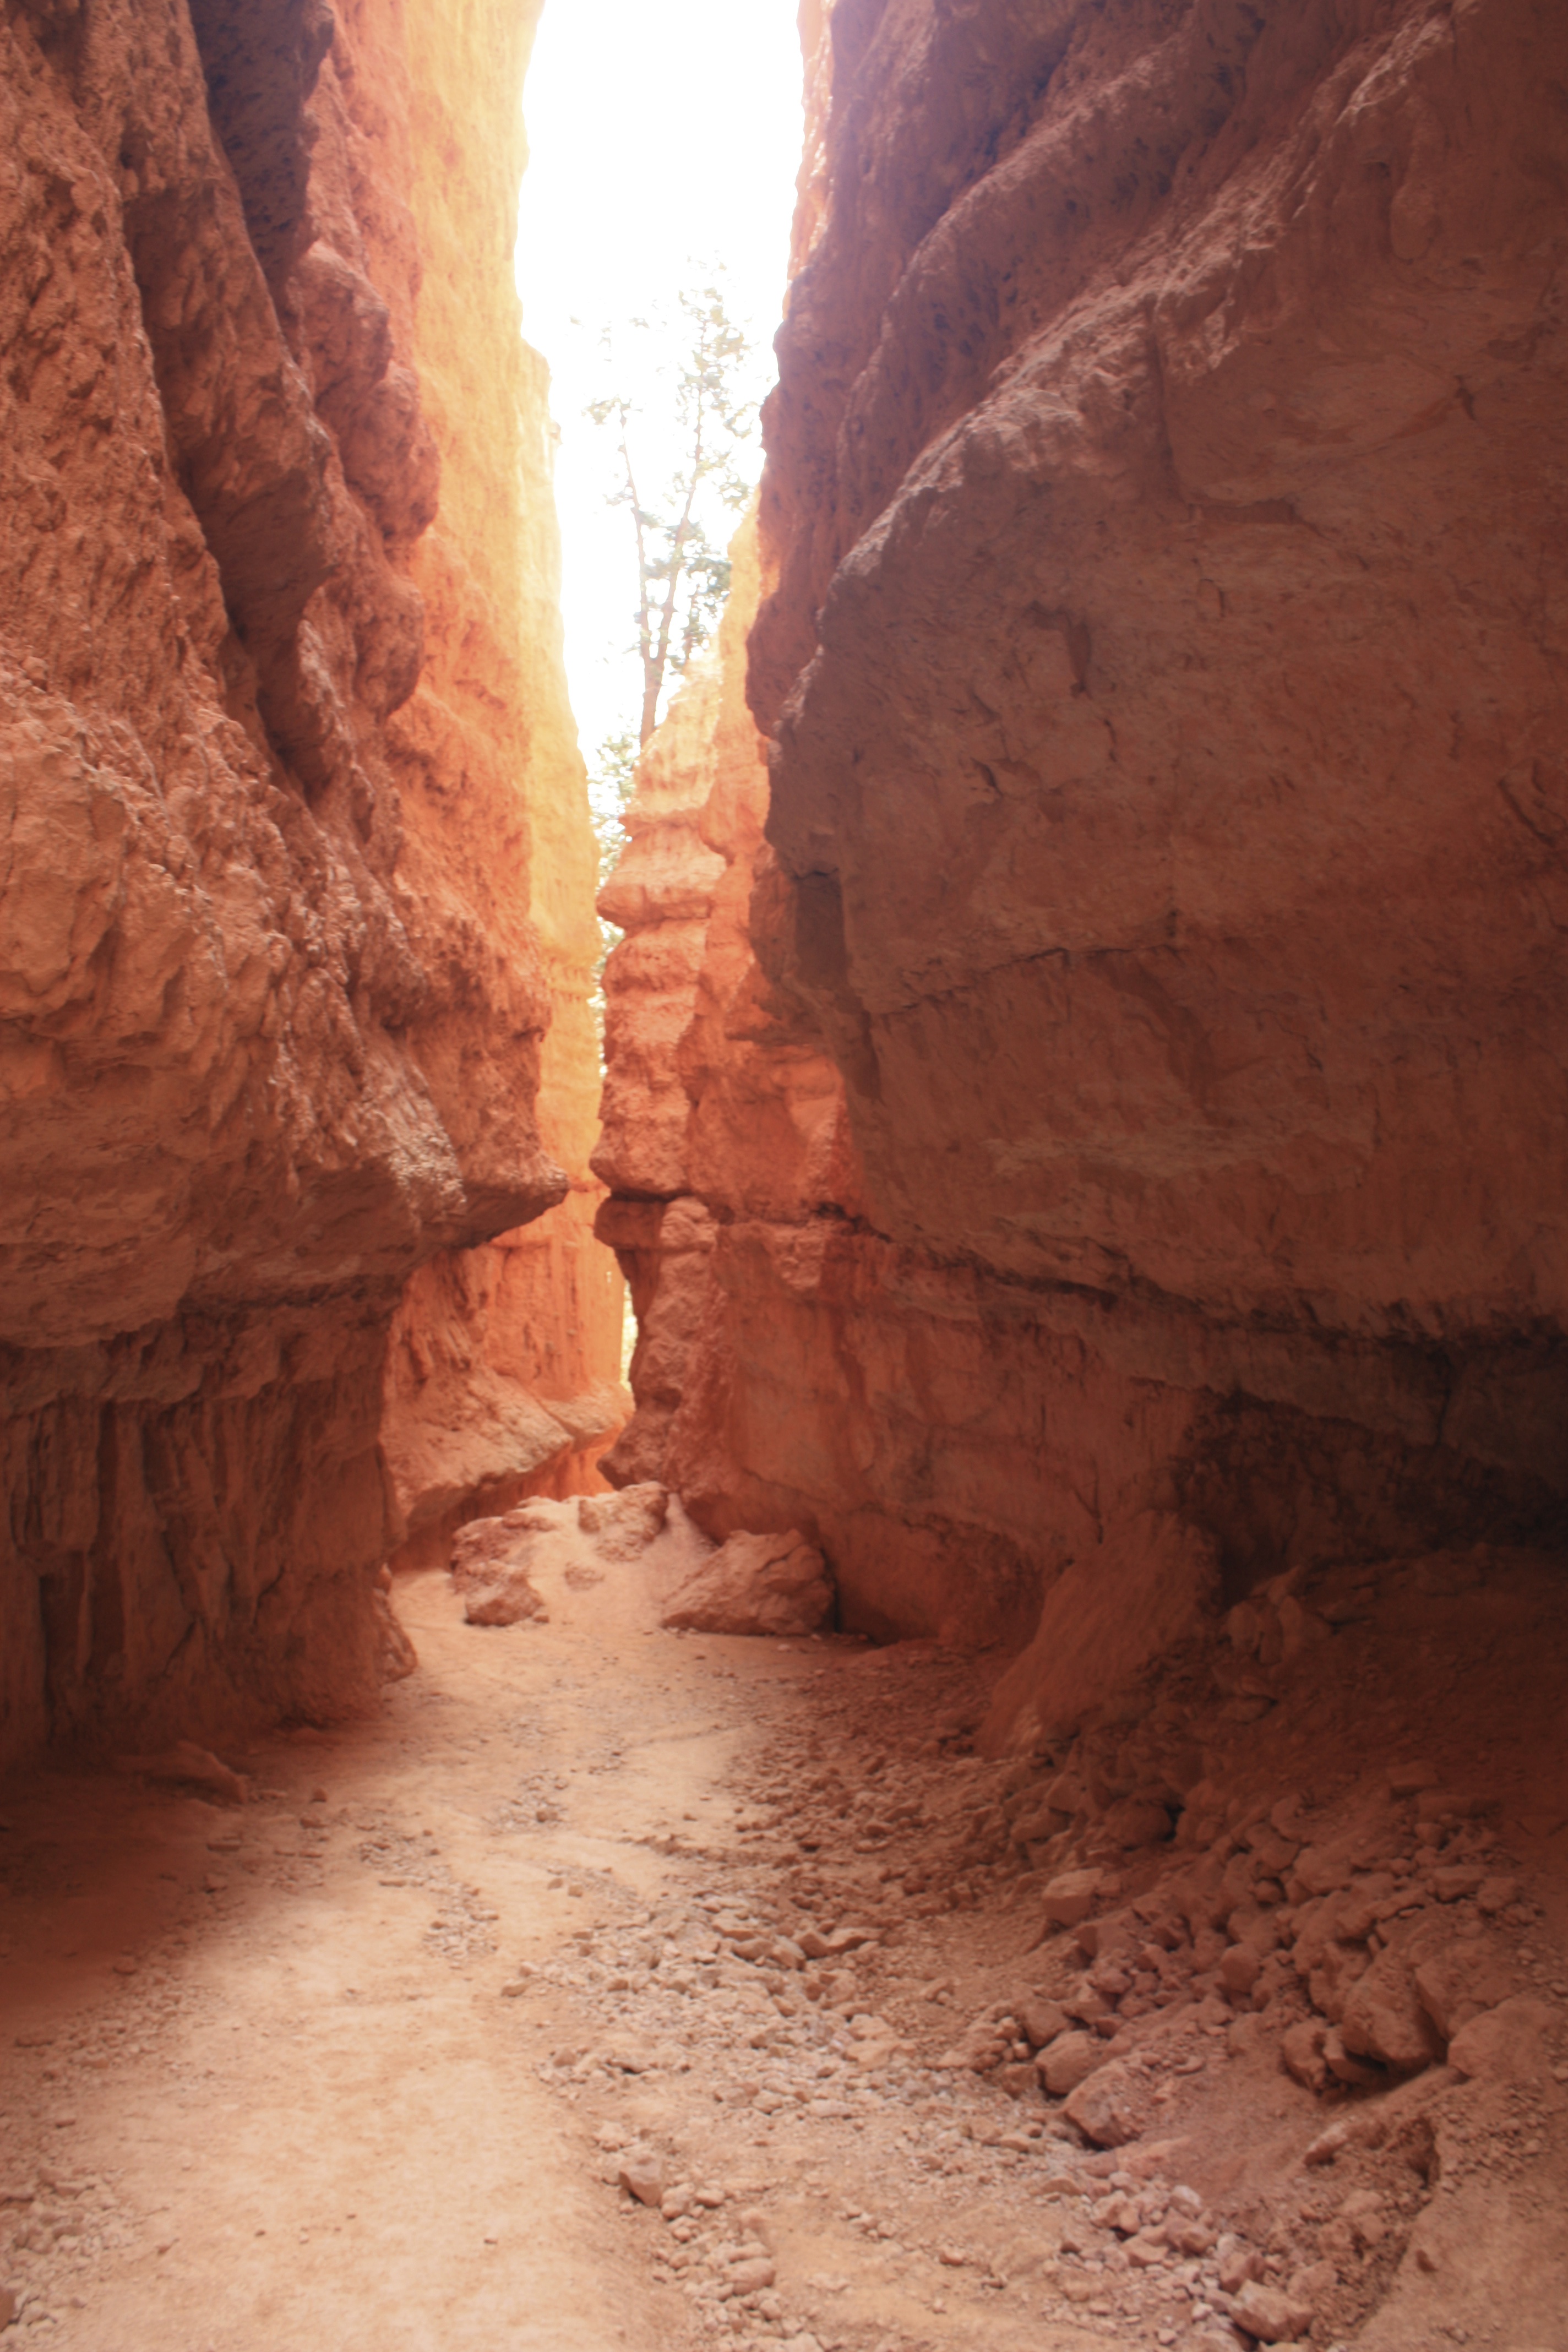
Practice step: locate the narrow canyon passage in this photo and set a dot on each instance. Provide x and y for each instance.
(1006, 1789)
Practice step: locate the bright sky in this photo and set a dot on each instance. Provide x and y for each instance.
(664, 139)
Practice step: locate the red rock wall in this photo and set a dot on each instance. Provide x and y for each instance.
(718, 1102)
(660, 897)
(503, 1372)
(277, 941)
(1163, 534)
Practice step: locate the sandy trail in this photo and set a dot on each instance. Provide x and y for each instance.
(308, 2116)
(355, 2068)
(261, 2085)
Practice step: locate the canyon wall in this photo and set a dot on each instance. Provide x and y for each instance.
(503, 1372)
(290, 831)
(1160, 656)
(714, 1107)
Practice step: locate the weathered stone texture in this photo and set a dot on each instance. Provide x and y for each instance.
(1162, 649)
(503, 1371)
(271, 996)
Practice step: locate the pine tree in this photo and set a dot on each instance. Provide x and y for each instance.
(683, 577)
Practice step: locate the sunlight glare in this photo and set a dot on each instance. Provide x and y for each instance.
(663, 140)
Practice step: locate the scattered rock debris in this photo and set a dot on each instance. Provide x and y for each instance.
(1207, 2028)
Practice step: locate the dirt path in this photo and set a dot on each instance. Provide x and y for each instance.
(359, 2067)
(304, 2116)
(273, 2073)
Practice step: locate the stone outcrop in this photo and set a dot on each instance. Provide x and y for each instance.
(640, 1536)
(750, 1584)
(723, 1117)
(768, 1584)
(1166, 828)
(293, 848)
(714, 1106)
(660, 897)
(489, 1394)
(490, 1567)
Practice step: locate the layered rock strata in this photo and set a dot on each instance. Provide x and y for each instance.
(279, 786)
(1163, 533)
(723, 1117)
(660, 897)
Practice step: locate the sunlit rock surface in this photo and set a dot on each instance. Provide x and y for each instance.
(289, 825)
(503, 1372)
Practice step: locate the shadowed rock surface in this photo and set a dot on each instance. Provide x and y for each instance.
(271, 994)
(1161, 539)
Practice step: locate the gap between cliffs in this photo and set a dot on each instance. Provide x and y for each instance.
(1081, 1110)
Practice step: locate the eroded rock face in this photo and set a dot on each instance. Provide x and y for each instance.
(484, 1400)
(271, 999)
(640, 1533)
(502, 1376)
(1167, 805)
(753, 1584)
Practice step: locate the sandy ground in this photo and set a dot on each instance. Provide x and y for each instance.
(359, 2064)
(303, 2116)
(261, 2085)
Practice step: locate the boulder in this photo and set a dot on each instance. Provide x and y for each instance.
(1238, 1968)
(1070, 1898)
(1460, 1981)
(489, 1566)
(1269, 2315)
(1069, 2061)
(1357, 2074)
(623, 1525)
(753, 1584)
(979, 2050)
(642, 2175)
(1137, 1821)
(1236, 2263)
(1111, 2106)
(1506, 2044)
(1301, 2052)
(1383, 2019)
(1042, 2019)
(627, 2054)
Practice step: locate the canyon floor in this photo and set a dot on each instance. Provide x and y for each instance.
(369, 2060)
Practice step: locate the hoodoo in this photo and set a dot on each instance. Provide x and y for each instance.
(295, 861)
(1124, 1091)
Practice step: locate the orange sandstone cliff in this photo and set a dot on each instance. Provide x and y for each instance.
(291, 832)
(502, 1377)
(1161, 669)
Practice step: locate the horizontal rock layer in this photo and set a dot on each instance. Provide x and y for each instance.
(1162, 538)
(271, 999)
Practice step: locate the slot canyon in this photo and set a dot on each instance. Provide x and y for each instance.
(1005, 1787)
